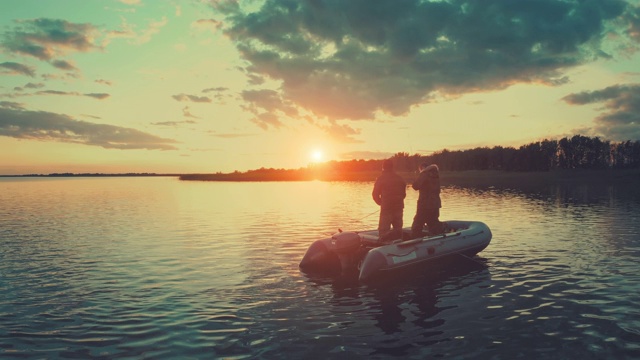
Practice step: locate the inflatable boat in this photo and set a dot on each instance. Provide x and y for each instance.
(364, 251)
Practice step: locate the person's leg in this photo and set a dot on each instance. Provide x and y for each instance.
(433, 221)
(418, 223)
(384, 223)
(396, 222)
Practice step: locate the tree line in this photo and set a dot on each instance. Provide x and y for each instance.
(577, 152)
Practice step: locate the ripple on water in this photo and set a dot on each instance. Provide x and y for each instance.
(167, 269)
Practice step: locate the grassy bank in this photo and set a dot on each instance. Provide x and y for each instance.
(458, 178)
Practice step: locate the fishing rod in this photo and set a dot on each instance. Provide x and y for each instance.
(362, 218)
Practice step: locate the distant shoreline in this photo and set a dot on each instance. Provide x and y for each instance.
(468, 178)
(459, 178)
(58, 175)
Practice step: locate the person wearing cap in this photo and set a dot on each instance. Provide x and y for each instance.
(389, 192)
(429, 202)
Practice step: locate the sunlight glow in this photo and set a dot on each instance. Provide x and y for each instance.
(317, 155)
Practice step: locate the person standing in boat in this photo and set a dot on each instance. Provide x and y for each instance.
(389, 192)
(429, 202)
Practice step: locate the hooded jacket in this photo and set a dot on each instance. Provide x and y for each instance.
(428, 185)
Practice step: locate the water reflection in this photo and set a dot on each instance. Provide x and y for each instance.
(564, 195)
(121, 268)
(556, 255)
(412, 298)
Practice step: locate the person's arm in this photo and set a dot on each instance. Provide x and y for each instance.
(417, 184)
(376, 194)
(404, 189)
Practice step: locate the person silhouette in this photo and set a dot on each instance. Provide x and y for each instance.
(429, 202)
(389, 192)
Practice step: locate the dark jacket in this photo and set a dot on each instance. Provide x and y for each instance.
(428, 184)
(389, 190)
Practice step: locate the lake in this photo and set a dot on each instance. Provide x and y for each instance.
(157, 268)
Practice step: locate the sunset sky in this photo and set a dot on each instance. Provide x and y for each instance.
(195, 86)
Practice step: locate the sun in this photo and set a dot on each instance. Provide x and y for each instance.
(317, 155)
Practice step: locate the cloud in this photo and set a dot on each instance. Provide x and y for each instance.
(63, 65)
(19, 69)
(34, 85)
(11, 105)
(353, 59)
(91, 116)
(46, 126)
(48, 39)
(219, 93)
(186, 113)
(268, 106)
(634, 24)
(173, 123)
(204, 149)
(99, 96)
(135, 36)
(192, 98)
(265, 120)
(105, 82)
(342, 133)
(215, 89)
(231, 135)
(356, 155)
(620, 119)
(60, 76)
(268, 100)
(29, 86)
(206, 24)
(153, 28)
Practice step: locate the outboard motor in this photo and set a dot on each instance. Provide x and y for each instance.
(346, 245)
(332, 255)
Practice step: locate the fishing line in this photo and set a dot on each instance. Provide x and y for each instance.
(362, 218)
(366, 216)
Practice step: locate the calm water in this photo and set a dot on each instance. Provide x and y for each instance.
(157, 268)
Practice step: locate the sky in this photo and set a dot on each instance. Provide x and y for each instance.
(193, 86)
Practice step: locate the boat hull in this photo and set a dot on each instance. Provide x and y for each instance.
(363, 251)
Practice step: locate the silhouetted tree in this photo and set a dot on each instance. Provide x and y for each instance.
(577, 152)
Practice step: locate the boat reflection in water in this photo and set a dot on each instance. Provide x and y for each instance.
(363, 251)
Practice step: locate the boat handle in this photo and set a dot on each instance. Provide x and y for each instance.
(419, 240)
